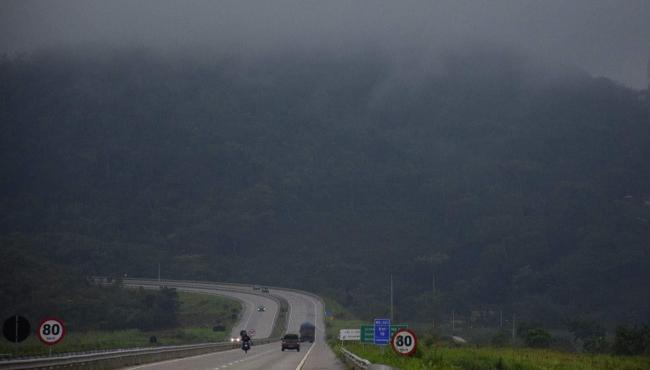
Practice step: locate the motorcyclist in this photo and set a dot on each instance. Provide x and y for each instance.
(245, 340)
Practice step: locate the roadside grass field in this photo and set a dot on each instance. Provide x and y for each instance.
(469, 358)
(448, 357)
(197, 315)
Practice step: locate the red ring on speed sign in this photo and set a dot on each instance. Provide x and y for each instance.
(409, 342)
(51, 338)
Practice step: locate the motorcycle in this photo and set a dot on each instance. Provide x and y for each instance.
(246, 346)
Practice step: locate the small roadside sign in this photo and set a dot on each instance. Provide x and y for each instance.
(51, 331)
(404, 342)
(350, 334)
(382, 331)
(368, 332)
(16, 329)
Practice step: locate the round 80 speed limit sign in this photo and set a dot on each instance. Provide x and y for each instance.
(51, 331)
(404, 342)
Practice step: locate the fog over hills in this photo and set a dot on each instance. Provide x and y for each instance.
(604, 37)
(523, 187)
(499, 148)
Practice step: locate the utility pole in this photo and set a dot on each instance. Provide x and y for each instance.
(433, 296)
(433, 284)
(514, 325)
(159, 273)
(500, 319)
(453, 320)
(391, 298)
(434, 259)
(647, 78)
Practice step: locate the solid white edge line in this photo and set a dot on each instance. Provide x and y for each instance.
(302, 363)
(250, 314)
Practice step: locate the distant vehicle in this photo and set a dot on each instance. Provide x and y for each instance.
(265, 290)
(261, 308)
(256, 287)
(307, 332)
(235, 339)
(291, 341)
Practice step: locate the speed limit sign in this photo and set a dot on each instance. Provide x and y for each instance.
(404, 342)
(51, 331)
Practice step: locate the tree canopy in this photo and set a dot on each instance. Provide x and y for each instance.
(519, 190)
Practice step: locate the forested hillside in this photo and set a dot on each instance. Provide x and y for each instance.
(524, 187)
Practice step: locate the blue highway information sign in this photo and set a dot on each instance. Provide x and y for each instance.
(382, 331)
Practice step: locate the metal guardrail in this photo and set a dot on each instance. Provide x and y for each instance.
(356, 361)
(103, 359)
(136, 356)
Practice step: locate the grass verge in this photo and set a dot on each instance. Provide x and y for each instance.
(441, 357)
(446, 358)
(197, 315)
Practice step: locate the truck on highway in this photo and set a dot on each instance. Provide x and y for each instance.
(307, 332)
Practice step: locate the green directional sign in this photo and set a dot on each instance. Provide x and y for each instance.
(368, 332)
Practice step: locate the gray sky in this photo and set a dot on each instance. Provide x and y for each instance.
(605, 37)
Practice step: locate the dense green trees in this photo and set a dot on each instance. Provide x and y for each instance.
(591, 333)
(328, 174)
(632, 341)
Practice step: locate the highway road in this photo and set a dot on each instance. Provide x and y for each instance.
(303, 307)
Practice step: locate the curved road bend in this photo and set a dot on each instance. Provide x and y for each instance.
(261, 322)
(269, 356)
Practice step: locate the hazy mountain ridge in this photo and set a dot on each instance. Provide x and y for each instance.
(329, 173)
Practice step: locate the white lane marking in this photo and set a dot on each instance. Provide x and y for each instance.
(290, 312)
(257, 355)
(302, 363)
(176, 360)
(250, 314)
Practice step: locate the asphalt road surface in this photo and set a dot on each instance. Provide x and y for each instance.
(302, 307)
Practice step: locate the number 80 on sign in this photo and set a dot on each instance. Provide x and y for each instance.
(404, 342)
(51, 331)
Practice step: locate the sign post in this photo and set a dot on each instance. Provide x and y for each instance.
(16, 329)
(382, 332)
(404, 342)
(51, 331)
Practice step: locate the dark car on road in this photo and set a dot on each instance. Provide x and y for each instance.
(291, 341)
